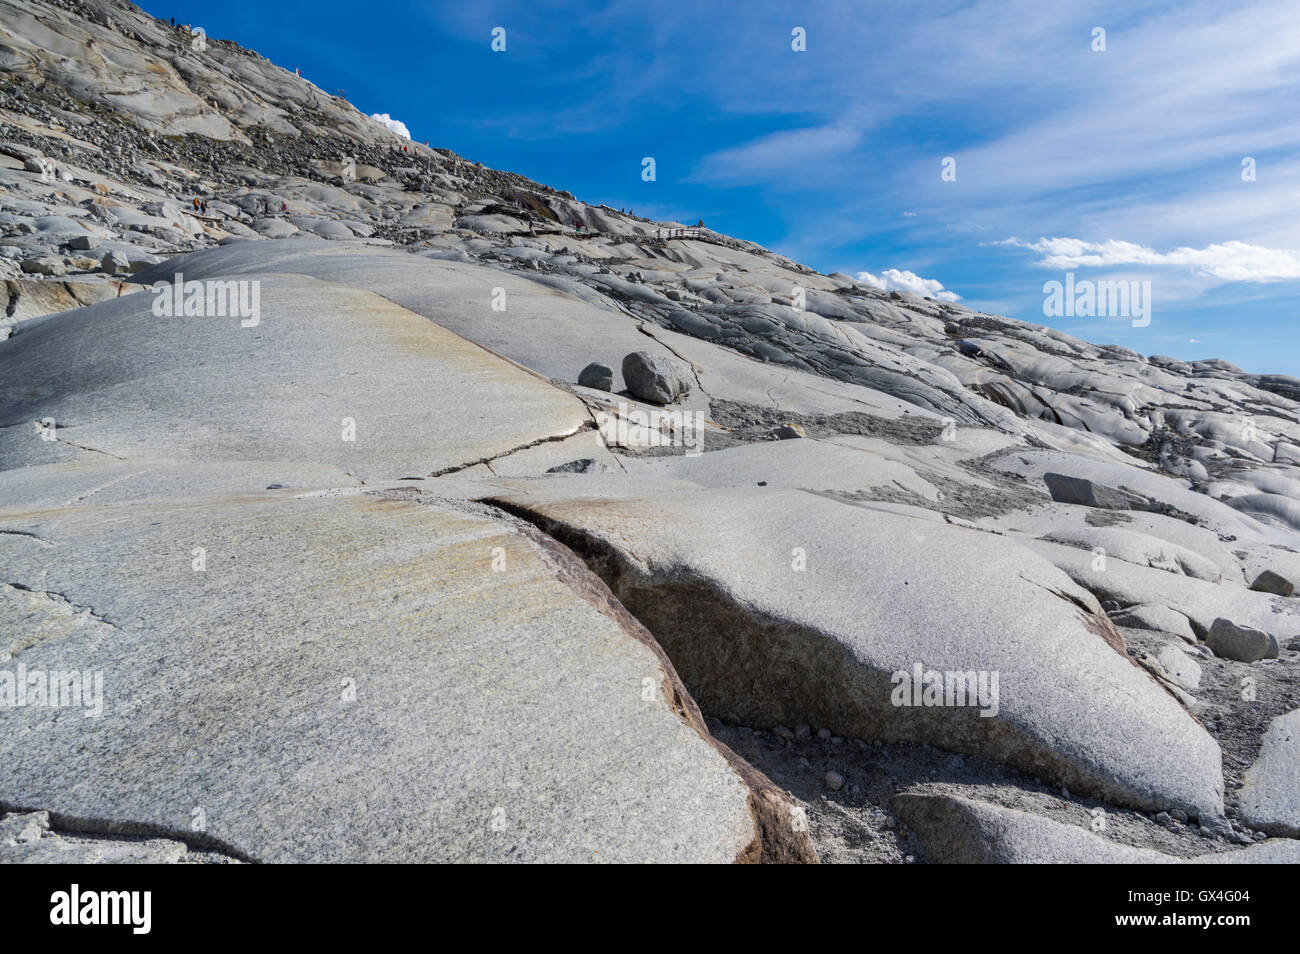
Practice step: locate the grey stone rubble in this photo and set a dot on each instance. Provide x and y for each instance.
(655, 548)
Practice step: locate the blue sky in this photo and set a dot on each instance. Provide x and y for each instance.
(1117, 164)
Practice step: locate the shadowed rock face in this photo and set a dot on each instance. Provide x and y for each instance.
(966, 831)
(1075, 490)
(967, 491)
(764, 634)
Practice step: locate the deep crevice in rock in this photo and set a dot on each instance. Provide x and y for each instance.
(779, 837)
(766, 671)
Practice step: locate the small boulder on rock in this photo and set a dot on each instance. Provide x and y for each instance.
(656, 378)
(597, 376)
(1078, 490)
(44, 265)
(114, 263)
(1275, 583)
(1235, 641)
(42, 166)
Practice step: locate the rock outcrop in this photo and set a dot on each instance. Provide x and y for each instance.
(390, 507)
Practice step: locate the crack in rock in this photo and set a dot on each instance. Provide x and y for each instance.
(40, 428)
(57, 616)
(23, 534)
(49, 822)
(456, 468)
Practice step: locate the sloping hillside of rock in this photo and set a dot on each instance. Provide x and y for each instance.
(408, 510)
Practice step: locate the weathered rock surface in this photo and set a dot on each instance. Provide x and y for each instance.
(1180, 667)
(968, 488)
(1270, 793)
(1200, 601)
(1155, 616)
(23, 299)
(529, 719)
(328, 375)
(814, 465)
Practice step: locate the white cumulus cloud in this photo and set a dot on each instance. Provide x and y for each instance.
(893, 279)
(1226, 261)
(396, 125)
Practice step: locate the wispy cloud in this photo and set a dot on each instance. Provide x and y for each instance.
(1229, 261)
(784, 155)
